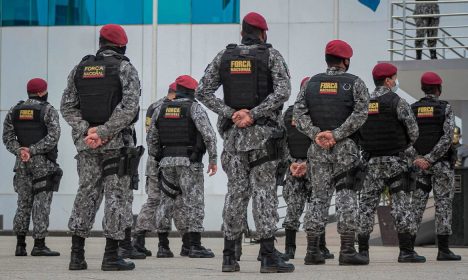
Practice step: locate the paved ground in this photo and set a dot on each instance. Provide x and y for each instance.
(383, 264)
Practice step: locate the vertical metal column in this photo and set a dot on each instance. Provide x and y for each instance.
(404, 29)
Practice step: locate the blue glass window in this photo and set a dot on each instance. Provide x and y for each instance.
(72, 12)
(119, 11)
(215, 11)
(24, 12)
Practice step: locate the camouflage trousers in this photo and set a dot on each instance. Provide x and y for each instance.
(244, 182)
(93, 188)
(188, 208)
(426, 22)
(295, 194)
(322, 188)
(30, 204)
(383, 173)
(441, 178)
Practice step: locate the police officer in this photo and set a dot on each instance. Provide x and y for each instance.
(179, 135)
(31, 131)
(429, 21)
(460, 150)
(100, 103)
(431, 151)
(330, 109)
(255, 81)
(296, 187)
(390, 129)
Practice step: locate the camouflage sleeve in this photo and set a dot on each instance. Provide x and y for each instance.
(149, 114)
(202, 122)
(301, 115)
(359, 115)
(69, 108)
(48, 143)
(127, 109)
(209, 83)
(152, 137)
(405, 114)
(286, 156)
(9, 135)
(281, 86)
(445, 141)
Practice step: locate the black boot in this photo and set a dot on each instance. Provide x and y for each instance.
(77, 257)
(126, 250)
(290, 244)
(433, 54)
(363, 241)
(111, 260)
(444, 252)
(271, 262)
(40, 249)
(283, 256)
(138, 243)
(238, 248)
(418, 54)
(185, 249)
(407, 253)
(313, 255)
(323, 248)
(196, 249)
(21, 246)
(348, 254)
(163, 246)
(230, 263)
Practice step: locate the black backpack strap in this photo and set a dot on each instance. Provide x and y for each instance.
(231, 46)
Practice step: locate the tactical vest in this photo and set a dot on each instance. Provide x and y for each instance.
(28, 122)
(245, 76)
(298, 143)
(430, 115)
(383, 134)
(99, 88)
(149, 115)
(178, 134)
(330, 99)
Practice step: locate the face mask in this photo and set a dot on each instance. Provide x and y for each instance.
(396, 86)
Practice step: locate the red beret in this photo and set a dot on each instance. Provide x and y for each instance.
(173, 86)
(187, 82)
(304, 81)
(114, 33)
(256, 20)
(36, 85)
(339, 48)
(383, 70)
(431, 78)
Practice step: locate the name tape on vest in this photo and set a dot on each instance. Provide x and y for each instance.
(172, 113)
(94, 72)
(425, 112)
(373, 108)
(148, 121)
(26, 115)
(329, 88)
(241, 67)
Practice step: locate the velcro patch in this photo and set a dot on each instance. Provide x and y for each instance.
(373, 108)
(329, 88)
(425, 112)
(26, 115)
(94, 72)
(173, 113)
(241, 67)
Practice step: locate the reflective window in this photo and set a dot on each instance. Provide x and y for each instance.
(24, 12)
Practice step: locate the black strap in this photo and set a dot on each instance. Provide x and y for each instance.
(111, 170)
(171, 186)
(425, 188)
(41, 179)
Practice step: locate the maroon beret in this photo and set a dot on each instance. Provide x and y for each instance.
(173, 86)
(187, 82)
(431, 78)
(256, 20)
(339, 48)
(114, 33)
(304, 81)
(36, 85)
(383, 70)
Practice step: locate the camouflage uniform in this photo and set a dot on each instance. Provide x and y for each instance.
(37, 167)
(426, 9)
(92, 186)
(383, 168)
(326, 164)
(245, 145)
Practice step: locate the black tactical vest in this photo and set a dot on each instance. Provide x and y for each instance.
(149, 114)
(383, 134)
(178, 134)
(298, 143)
(330, 99)
(99, 88)
(28, 121)
(245, 76)
(430, 114)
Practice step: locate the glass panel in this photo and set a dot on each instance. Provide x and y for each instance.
(174, 11)
(119, 11)
(72, 12)
(215, 11)
(24, 12)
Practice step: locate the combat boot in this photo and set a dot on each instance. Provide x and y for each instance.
(77, 256)
(126, 249)
(433, 54)
(185, 249)
(444, 253)
(283, 256)
(111, 260)
(363, 242)
(407, 253)
(196, 249)
(163, 247)
(238, 248)
(21, 246)
(348, 254)
(271, 262)
(138, 243)
(418, 54)
(323, 248)
(40, 249)
(290, 243)
(230, 263)
(313, 255)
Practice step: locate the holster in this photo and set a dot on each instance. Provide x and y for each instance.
(405, 182)
(52, 181)
(126, 164)
(353, 178)
(273, 147)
